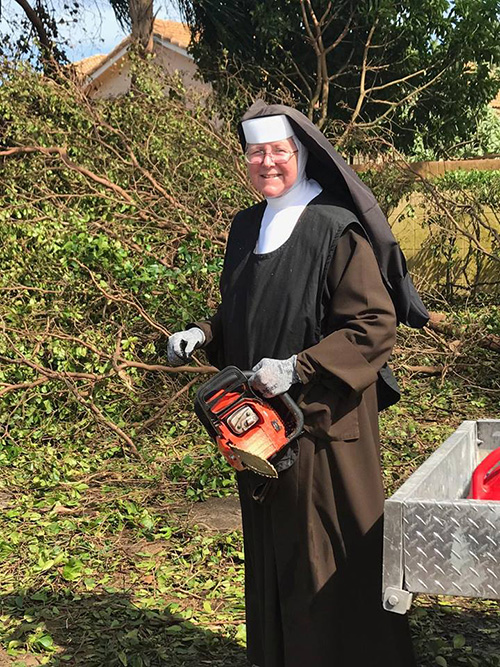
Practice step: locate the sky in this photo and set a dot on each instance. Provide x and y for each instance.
(97, 30)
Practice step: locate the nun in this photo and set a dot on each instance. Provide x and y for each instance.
(312, 289)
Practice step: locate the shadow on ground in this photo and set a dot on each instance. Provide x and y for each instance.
(456, 632)
(108, 630)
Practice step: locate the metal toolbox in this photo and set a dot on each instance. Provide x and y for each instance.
(436, 541)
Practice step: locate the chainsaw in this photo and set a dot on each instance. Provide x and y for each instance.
(253, 430)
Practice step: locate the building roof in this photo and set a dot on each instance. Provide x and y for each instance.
(87, 65)
(174, 32)
(177, 33)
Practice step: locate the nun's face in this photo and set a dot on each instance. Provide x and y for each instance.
(273, 180)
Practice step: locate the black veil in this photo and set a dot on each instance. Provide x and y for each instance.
(332, 172)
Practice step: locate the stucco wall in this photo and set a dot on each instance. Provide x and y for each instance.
(439, 167)
(438, 253)
(115, 80)
(436, 250)
(176, 62)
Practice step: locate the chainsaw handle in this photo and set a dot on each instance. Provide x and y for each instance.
(290, 405)
(228, 378)
(297, 413)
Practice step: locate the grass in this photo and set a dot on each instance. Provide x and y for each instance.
(100, 564)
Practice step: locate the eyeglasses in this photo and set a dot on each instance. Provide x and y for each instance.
(277, 156)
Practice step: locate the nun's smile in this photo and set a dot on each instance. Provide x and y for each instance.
(270, 179)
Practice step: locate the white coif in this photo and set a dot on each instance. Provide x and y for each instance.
(282, 214)
(267, 129)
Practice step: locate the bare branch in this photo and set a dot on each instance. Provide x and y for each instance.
(395, 82)
(167, 369)
(22, 385)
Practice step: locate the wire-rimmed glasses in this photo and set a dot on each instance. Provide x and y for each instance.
(278, 156)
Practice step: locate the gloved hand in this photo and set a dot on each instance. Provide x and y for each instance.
(182, 344)
(274, 376)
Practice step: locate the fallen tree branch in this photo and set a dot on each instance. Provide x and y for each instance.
(62, 153)
(424, 370)
(123, 299)
(89, 405)
(167, 369)
(7, 388)
(438, 322)
(164, 408)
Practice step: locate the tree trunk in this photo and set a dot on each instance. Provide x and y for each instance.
(141, 18)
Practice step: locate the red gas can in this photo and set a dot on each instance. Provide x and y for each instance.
(485, 484)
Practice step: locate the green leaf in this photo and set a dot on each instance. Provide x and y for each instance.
(147, 521)
(46, 641)
(441, 661)
(73, 570)
(458, 641)
(241, 633)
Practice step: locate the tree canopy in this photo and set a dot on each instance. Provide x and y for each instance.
(423, 65)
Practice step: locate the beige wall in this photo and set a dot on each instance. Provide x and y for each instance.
(176, 62)
(426, 240)
(115, 80)
(437, 168)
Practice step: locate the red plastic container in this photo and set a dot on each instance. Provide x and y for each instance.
(485, 484)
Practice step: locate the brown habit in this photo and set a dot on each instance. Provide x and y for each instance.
(313, 545)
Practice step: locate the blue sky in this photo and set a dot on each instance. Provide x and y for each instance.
(96, 32)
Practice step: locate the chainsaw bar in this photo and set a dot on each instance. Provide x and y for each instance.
(256, 463)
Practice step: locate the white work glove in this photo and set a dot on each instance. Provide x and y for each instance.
(182, 344)
(274, 376)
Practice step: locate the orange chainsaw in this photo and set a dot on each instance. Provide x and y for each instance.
(248, 428)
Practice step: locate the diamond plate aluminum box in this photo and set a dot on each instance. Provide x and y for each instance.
(436, 541)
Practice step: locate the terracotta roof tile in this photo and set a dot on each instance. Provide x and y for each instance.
(87, 65)
(108, 57)
(173, 31)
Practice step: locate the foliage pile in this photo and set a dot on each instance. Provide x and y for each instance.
(113, 220)
(112, 225)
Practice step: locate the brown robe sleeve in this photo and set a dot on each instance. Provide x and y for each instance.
(360, 317)
(211, 327)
